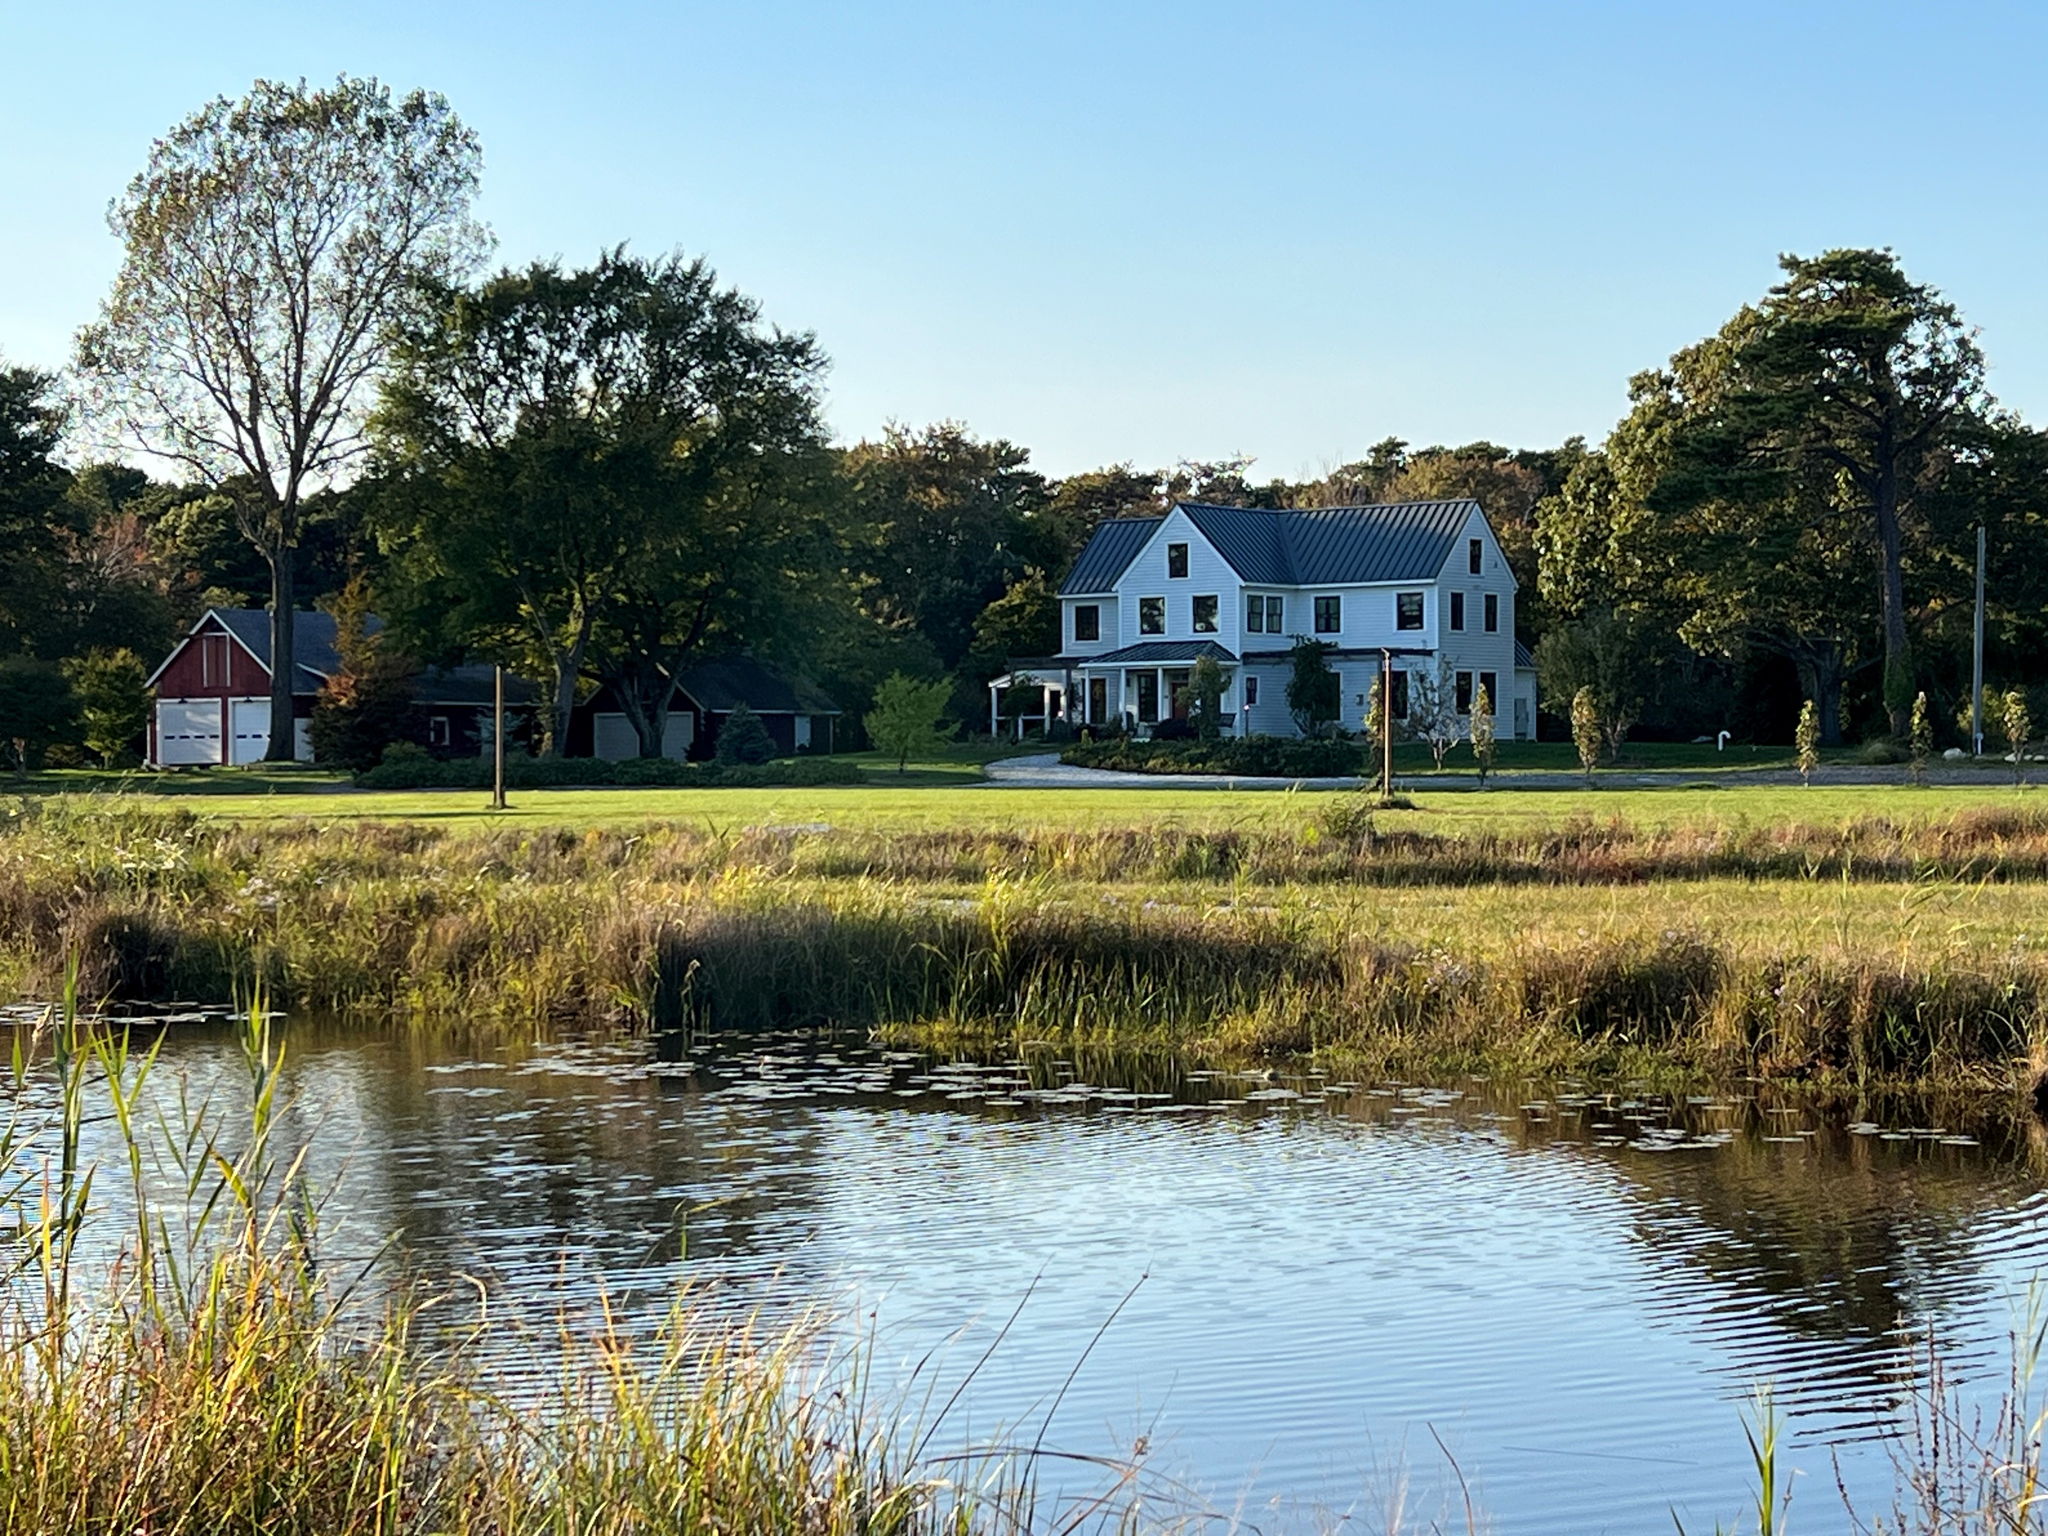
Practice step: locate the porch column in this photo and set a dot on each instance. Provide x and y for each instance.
(1165, 709)
(994, 723)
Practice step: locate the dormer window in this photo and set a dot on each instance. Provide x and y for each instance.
(1151, 615)
(1176, 560)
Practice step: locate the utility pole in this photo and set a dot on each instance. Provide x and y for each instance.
(1977, 658)
(498, 742)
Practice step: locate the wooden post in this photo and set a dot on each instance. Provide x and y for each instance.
(498, 742)
(1386, 725)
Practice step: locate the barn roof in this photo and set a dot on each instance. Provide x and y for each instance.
(314, 634)
(1312, 547)
(722, 684)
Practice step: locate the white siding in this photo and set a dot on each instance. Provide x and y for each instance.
(1209, 575)
(1106, 608)
(1474, 650)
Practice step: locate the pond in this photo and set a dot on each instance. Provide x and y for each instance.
(1311, 1294)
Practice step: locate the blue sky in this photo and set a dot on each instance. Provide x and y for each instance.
(1147, 231)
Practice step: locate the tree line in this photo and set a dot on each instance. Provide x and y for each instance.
(595, 474)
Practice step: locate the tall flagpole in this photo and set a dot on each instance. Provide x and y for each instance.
(1977, 658)
(498, 742)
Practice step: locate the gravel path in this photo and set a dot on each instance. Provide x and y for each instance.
(1044, 770)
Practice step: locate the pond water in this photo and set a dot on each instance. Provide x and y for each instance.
(1307, 1283)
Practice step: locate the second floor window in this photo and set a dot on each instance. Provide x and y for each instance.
(1408, 610)
(1176, 560)
(1151, 615)
(1329, 615)
(1204, 615)
(1493, 613)
(1265, 616)
(1087, 621)
(1457, 610)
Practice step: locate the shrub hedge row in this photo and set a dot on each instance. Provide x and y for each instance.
(1280, 757)
(415, 770)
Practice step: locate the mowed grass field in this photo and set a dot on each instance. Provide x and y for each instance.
(953, 793)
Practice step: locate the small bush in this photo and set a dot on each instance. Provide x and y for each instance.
(1882, 751)
(1279, 757)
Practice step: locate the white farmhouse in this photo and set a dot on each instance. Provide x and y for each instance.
(1423, 581)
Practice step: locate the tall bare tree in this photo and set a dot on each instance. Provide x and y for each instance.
(271, 242)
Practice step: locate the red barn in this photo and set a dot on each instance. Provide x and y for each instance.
(213, 693)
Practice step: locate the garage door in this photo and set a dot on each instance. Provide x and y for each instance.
(251, 719)
(616, 740)
(187, 732)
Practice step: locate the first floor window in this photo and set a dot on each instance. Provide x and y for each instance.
(1329, 615)
(1464, 693)
(1251, 691)
(1457, 610)
(1151, 615)
(1087, 622)
(1493, 613)
(1204, 615)
(437, 731)
(1490, 686)
(1408, 610)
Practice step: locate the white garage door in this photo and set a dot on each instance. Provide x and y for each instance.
(614, 739)
(187, 732)
(251, 720)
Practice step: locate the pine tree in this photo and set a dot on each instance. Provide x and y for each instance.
(744, 739)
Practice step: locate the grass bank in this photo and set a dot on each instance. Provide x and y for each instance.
(1872, 950)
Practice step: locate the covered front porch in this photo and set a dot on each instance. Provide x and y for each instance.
(1140, 686)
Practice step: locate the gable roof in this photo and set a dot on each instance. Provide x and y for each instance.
(314, 635)
(1108, 552)
(721, 684)
(1309, 547)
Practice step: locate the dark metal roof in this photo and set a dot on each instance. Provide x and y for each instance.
(1113, 546)
(1315, 547)
(1524, 661)
(722, 684)
(1152, 652)
(313, 642)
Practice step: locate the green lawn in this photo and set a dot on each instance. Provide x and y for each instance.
(933, 799)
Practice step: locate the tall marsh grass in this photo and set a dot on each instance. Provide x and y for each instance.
(680, 928)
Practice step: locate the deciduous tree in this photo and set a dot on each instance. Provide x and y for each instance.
(605, 472)
(905, 719)
(269, 245)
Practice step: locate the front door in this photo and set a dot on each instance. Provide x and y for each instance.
(1147, 685)
(1098, 700)
(1177, 691)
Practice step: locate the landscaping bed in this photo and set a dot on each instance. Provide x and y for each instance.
(1278, 757)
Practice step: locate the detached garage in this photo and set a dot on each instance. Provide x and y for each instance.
(213, 693)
